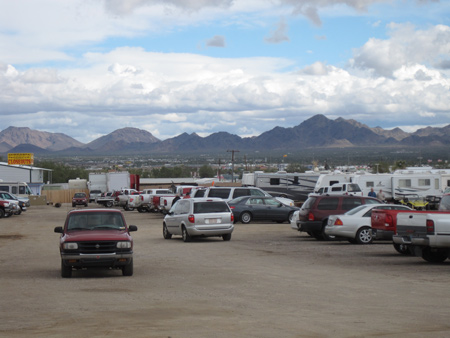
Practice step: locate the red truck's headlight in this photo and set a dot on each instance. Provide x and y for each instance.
(70, 246)
(124, 245)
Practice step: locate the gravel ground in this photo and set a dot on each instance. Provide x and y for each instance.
(268, 281)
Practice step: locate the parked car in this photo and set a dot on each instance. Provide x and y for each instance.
(79, 198)
(355, 224)
(262, 208)
(205, 217)
(20, 203)
(6, 208)
(229, 193)
(95, 238)
(94, 194)
(313, 215)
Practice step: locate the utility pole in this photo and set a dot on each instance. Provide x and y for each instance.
(232, 163)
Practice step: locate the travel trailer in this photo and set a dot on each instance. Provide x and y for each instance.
(295, 186)
(19, 189)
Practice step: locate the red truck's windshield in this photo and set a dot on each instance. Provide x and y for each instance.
(95, 221)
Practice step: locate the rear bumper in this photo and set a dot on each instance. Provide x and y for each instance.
(224, 229)
(309, 226)
(408, 240)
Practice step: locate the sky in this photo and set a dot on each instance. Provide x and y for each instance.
(88, 67)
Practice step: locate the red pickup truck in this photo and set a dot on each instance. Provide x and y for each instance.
(95, 238)
(384, 224)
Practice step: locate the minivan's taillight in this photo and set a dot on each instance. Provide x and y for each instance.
(310, 216)
(191, 218)
(232, 217)
(430, 226)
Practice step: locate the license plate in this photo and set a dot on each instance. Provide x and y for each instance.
(212, 220)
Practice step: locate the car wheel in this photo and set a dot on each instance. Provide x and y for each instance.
(435, 256)
(352, 240)
(127, 270)
(109, 204)
(86, 205)
(317, 235)
(66, 271)
(185, 235)
(402, 249)
(18, 212)
(226, 237)
(166, 233)
(246, 217)
(364, 236)
(2, 213)
(326, 237)
(140, 209)
(73, 205)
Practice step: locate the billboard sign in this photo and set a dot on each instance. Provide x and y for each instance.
(21, 159)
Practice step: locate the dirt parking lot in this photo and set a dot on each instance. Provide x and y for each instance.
(268, 281)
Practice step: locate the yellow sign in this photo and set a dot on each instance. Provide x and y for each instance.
(21, 159)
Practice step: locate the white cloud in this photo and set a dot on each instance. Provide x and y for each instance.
(406, 46)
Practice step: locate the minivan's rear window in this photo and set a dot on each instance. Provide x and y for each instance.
(209, 207)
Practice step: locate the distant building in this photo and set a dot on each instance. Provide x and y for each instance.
(33, 176)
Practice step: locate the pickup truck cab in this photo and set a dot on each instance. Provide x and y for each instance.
(95, 238)
(426, 233)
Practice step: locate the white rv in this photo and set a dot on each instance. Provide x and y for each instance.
(20, 189)
(295, 186)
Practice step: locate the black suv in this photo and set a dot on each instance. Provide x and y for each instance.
(313, 215)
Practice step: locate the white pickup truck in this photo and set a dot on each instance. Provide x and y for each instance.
(426, 233)
(146, 202)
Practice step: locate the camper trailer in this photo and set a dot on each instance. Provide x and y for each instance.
(295, 186)
(19, 189)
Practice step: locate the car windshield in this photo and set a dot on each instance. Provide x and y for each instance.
(95, 221)
(210, 207)
(79, 195)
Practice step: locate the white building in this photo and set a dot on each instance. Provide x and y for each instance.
(33, 176)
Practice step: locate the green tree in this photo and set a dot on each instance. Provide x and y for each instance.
(61, 173)
(206, 171)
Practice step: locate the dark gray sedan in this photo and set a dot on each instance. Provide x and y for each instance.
(259, 208)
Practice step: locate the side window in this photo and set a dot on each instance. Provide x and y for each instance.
(240, 192)
(368, 213)
(255, 201)
(274, 181)
(184, 207)
(338, 188)
(350, 203)
(328, 204)
(219, 192)
(14, 190)
(4, 188)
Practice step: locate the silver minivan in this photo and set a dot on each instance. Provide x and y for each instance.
(199, 217)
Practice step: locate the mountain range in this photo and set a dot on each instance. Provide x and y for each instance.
(315, 132)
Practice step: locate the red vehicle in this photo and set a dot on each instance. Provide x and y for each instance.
(95, 238)
(80, 198)
(6, 208)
